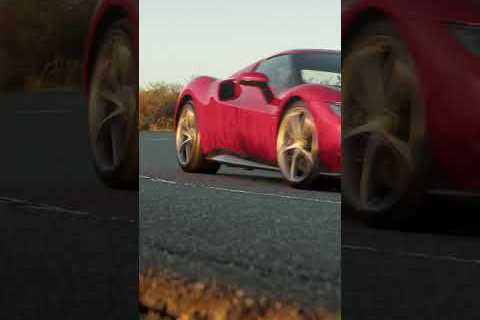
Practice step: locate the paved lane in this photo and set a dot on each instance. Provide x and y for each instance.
(246, 228)
(68, 245)
(431, 271)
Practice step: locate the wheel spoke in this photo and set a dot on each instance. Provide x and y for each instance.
(293, 164)
(187, 152)
(107, 120)
(109, 95)
(402, 156)
(366, 80)
(187, 126)
(188, 135)
(307, 127)
(185, 142)
(403, 150)
(121, 58)
(367, 170)
(400, 85)
(287, 148)
(382, 124)
(110, 80)
(295, 126)
(307, 155)
(116, 136)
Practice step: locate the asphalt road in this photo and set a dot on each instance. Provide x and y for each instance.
(242, 228)
(430, 270)
(68, 245)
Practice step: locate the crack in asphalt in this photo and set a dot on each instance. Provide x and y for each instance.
(186, 184)
(411, 254)
(50, 208)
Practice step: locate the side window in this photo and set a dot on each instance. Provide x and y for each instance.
(279, 70)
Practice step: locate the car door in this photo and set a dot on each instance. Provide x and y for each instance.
(259, 116)
(249, 120)
(232, 120)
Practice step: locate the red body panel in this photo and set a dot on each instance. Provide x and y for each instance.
(449, 77)
(123, 8)
(247, 126)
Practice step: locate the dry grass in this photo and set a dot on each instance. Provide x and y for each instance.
(57, 73)
(157, 106)
(43, 43)
(166, 297)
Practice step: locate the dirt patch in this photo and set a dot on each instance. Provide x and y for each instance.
(168, 297)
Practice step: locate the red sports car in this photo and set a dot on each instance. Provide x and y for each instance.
(281, 113)
(111, 84)
(411, 104)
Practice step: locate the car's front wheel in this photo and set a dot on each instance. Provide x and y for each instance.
(297, 147)
(383, 129)
(113, 111)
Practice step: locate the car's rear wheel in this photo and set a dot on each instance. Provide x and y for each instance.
(383, 129)
(297, 147)
(189, 154)
(113, 110)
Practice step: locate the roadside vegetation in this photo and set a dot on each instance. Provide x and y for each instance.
(157, 106)
(168, 297)
(43, 46)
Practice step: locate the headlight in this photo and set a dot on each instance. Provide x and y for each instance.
(468, 36)
(336, 107)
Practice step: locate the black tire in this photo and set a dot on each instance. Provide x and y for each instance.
(189, 155)
(119, 167)
(393, 142)
(308, 179)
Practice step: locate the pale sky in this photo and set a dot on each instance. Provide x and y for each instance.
(184, 38)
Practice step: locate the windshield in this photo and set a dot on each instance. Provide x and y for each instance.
(319, 68)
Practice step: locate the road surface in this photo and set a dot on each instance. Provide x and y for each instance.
(68, 245)
(238, 227)
(430, 271)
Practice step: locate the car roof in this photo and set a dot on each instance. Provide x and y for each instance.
(299, 51)
(288, 52)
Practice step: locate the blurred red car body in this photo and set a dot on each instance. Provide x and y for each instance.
(106, 13)
(248, 125)
(443, 38)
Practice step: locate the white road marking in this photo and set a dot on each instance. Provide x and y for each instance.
(412, 254)
(172, 182)
(47, 207)
(43, 111)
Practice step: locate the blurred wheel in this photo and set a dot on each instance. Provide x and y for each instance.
(297, 147)
(189, 156)
(383, 130)
(113, 109)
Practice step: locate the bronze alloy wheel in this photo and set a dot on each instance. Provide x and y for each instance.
(186, 136)
(297, 146)
(187, 141)
(113, 110)
(382, 128)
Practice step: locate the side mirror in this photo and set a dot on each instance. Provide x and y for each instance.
(259, 80)
(254, 79)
